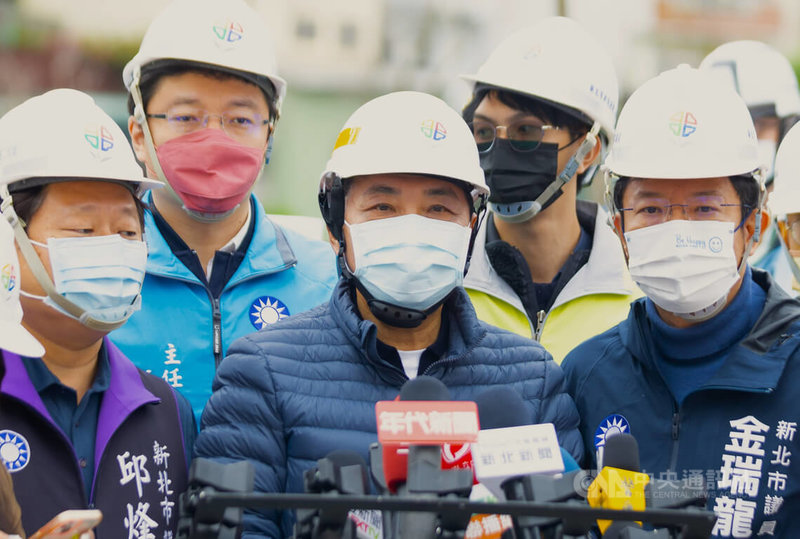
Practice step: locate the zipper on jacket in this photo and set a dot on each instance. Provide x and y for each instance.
(217, 330)
(676, 430)
(540, 316)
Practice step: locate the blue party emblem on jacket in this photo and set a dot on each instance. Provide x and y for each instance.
(14, 450)
(611, 425)
(267, 310)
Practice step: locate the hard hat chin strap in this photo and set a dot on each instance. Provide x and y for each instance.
(40, 273)
(533, 207)
(141, 118)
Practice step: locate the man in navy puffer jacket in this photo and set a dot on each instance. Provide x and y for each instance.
(401, 197)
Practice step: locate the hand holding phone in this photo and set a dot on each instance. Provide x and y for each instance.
(70, 524)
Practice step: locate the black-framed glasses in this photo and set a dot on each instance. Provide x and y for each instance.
(523, 135)
(240, 124)
(652, 211)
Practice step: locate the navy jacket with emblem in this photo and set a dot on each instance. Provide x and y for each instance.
(182, 332)
(140, 463)
(750, 405)
(293, 392)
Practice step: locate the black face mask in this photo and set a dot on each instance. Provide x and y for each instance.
(515, 176)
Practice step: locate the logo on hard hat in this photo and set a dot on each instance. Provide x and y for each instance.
(228, 32)
(534, 52)
(348, 135)
(8, 280)
(434, 130)
(682, 124)
(100, 139)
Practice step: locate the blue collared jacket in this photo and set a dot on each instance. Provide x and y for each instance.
(182, 332)
(735, 436)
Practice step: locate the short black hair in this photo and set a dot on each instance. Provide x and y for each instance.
(746, 188)
(548, 112)
(153, 72)
(28, 201)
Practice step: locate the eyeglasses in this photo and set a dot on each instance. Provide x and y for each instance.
(241, 124)
(523, 135)
(652, 211)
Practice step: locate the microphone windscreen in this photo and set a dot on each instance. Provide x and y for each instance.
(622, 452)
(500, 407)
(424, 388)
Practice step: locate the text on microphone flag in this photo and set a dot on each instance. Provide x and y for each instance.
(427, 422)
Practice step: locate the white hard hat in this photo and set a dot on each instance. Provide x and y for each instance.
(14, 337)
(64, 134)
(759, 73)
(558, 61)
(785, 197)
(407, 132)
(225, 34)
(684, 124)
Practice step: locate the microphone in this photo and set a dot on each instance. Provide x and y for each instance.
(518, 461)
(339, 472)
(411, 431)
(207, 477)
(620, 484)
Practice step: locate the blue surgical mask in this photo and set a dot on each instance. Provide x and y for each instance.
(101, 275)
(410, 261)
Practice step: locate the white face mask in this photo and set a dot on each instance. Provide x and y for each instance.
(684, 267)
(409, 261)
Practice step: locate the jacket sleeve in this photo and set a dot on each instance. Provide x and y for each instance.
(241, 421)
(559, 409)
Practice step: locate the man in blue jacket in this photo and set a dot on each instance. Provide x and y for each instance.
(204, 103)
(402, 196)
(702, 371)
(80, 426)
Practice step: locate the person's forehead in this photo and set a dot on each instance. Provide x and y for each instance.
(397, 184)
(667, 188)
(206, 90)
(86, 194)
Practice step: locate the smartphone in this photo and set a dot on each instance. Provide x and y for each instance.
(69, 524)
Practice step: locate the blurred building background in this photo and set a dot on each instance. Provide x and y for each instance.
(337, 54)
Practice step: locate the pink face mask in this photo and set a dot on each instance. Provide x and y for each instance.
(209, 171)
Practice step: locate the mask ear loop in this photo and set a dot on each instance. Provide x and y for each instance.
(589, 142)
(40, 273)
(141, 119)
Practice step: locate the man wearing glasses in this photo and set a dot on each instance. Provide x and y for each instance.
(546, 266)
(702, 371)
(203, 111)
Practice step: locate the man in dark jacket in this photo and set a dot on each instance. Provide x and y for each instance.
(401, 196)
(702, 370)
(17, 340)
(82, 427)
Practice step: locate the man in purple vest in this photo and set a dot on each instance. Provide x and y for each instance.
(80, 425)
